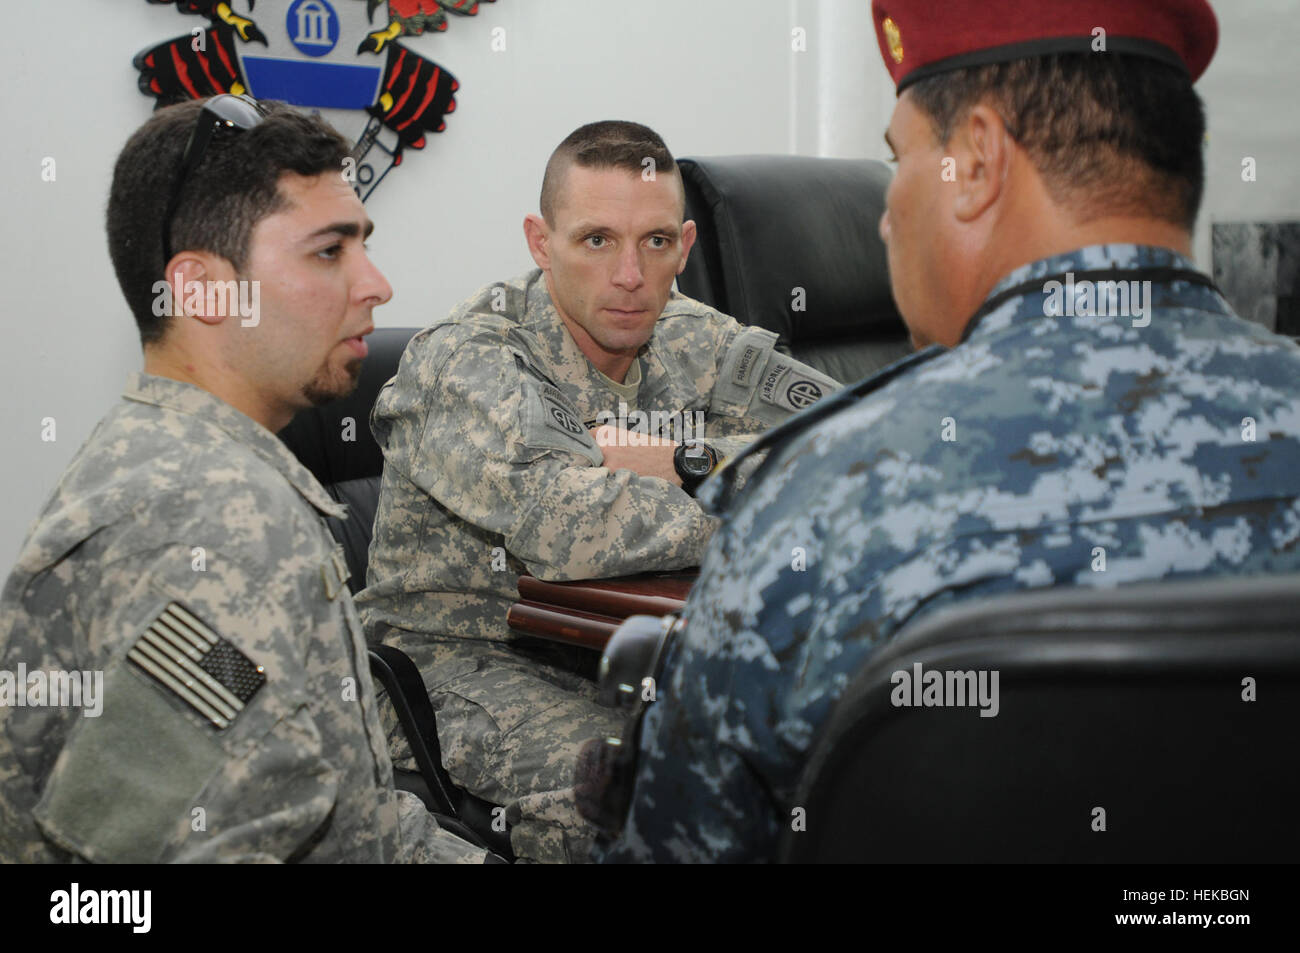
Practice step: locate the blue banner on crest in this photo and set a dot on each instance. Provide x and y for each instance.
(322, 85)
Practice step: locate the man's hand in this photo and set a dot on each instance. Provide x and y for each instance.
(640, 453)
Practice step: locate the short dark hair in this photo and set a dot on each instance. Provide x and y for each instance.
(222, 200)
(1108, 132)
(609, 144)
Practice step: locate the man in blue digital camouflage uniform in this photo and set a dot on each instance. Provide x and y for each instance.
(1093, 413)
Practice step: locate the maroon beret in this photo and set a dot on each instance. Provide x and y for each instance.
(919, 38)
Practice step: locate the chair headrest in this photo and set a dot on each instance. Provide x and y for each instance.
(333, 448)
(771, 224)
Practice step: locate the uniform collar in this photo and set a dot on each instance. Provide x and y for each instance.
(185, 398)
(575, 373)
(1116, 257)
(564, 358)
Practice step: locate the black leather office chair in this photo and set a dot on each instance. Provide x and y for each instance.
(771, 224)
(1130, 701)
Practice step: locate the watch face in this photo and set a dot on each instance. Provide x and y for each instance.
(697, 461)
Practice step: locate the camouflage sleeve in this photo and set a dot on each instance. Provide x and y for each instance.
(217, 761)
(483, 432)
(758, 387)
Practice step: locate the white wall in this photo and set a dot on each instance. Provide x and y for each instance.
(712, 76)
(1252, 99)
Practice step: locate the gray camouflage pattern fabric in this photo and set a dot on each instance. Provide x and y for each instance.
(490, 472)
(179, 499)
(1071, 435)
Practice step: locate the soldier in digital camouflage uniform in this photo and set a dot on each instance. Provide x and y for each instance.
(183, 556)
(493, 466)
(1042, 430)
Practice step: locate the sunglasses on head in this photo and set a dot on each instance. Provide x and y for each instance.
(228, 111)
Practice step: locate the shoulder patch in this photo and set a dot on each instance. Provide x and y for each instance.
(746, 365)
(747, 357)
(556, 412)
(551, 422)
(196, 665)
(786, 387)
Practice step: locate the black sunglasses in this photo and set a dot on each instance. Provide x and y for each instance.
(228, 111)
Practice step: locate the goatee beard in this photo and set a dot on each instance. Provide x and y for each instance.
(322, 389)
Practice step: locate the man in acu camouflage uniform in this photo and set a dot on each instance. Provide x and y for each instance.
(1049, 425)
(183, 558)
(507, 450)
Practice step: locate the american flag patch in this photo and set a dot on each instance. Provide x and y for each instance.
(196, 665)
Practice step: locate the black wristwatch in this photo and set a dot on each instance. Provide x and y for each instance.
(693, 463)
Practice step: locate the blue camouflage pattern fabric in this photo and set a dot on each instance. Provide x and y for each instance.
(1169, 444)
(490, 471)
(183, 529)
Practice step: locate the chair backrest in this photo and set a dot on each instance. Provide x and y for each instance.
(1164, 712)
(334, 442)
(791, 244)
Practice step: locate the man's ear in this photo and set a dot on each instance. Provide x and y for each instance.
(982, 147)
(538, 235)
(688, 242)
(190, 274)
